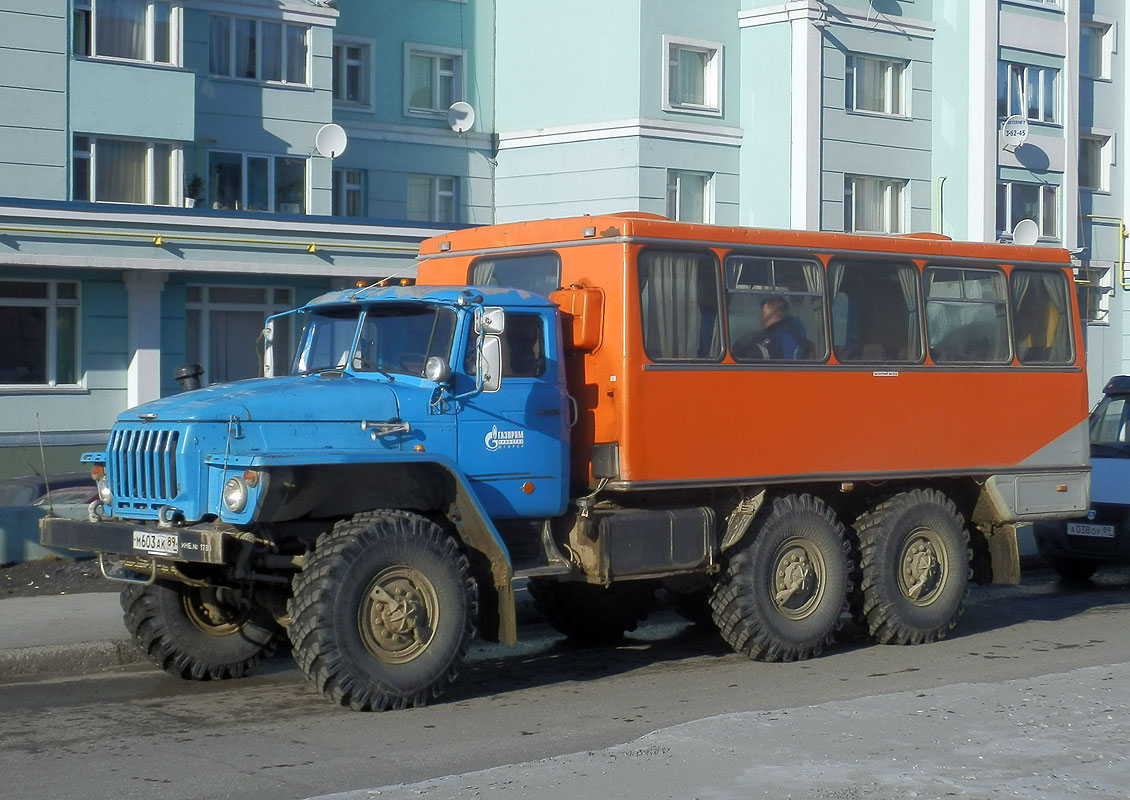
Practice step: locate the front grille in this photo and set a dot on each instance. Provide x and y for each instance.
(142, 464)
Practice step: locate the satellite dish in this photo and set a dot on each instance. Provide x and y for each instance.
(331, 140)
(460, 117)
(1026, 232)
(1014, 131)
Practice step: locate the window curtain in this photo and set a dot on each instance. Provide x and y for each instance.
(867, 201)
(679, 306)
(119, 171)
(121, 28)
(688, 77)
(296, 54)
(1040, 316)
(219, 46)
(908, 283)
(245, 45)
(870, 88)
(419, 198)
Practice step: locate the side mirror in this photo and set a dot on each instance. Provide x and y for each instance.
(489, 359)
(491, 320)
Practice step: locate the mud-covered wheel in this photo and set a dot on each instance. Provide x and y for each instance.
(383, 611)
(1074, 570)
(914, 567)
(592, 614)
(199, 633)
(782, 594)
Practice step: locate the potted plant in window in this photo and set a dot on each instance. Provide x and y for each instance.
(192, 191)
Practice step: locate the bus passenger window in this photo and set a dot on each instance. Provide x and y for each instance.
(966, 315)
(539, 273)
(1041, 317)
(875, 313)
(775, 308)
(679, 311)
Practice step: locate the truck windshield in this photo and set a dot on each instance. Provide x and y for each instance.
(1110, 428)
(394, 338)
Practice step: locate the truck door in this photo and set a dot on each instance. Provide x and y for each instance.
(514, 443)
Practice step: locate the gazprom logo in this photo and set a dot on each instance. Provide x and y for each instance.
(497, 440)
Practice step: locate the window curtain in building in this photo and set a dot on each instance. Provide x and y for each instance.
(245, 45)
(119, 171)
(419, 199)
(867, 202)
(296, 54)
(679, 306)
(689, 77)
(120, 25)
(869, 82)
(219, 45)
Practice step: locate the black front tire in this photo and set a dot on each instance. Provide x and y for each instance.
(782, 595)
(199, 633)
(383, 611)
(914, 567)
(592, 614)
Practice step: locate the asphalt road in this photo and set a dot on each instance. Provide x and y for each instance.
(1043, 665)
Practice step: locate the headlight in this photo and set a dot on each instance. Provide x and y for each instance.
(98, 473)
(436, 369)
(235, 495)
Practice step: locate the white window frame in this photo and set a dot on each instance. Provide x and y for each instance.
(1106, 31)
(340, 70)
(1020, 90)
(89, 10)
(1041, 220)
(271, 184)
(458, 77)
(284, 45)
(676, 187)
(893, 192)
(205, 305)
(712, 76)
(1105, 142)
(895, 96)
(440, 187)
(175, 179)
(52, 303)
(344, 185)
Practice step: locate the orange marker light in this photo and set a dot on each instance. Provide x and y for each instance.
(528, 487)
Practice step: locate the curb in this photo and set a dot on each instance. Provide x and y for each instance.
(57, 660)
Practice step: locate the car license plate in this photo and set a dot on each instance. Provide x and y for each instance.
(164, 544)
(1090, 529)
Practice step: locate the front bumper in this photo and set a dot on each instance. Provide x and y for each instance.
(200, 545)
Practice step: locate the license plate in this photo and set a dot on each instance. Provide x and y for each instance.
(165, 544)
(1090, 529)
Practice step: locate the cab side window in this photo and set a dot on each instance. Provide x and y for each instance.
(523, 347)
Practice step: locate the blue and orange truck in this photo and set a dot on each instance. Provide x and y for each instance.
(577, 403)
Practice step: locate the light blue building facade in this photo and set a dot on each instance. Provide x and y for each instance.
(173, 171)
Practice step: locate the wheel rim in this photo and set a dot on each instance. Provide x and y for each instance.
(206, 612)
(799, 574)
(399, 615)
(922, 567)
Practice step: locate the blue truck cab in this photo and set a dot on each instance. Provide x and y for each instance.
(1076, 548)
(368, 485)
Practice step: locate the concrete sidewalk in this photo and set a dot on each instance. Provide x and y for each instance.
(56, 635)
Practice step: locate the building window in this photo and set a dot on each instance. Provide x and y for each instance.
(1020, 201)
(222, 328)
(1096, 45)
(874, 85)
(349, 193)
(433, 79)
(258, 50)
(39, 333)
(689, 196)
(1094, 162)
(136, 30)
(431, 198)
(125, 171)
(693, 78)
(351, 73)
(246, 182)
(873, 205)
(1031, 92)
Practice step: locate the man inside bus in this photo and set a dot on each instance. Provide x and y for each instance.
(781, 336)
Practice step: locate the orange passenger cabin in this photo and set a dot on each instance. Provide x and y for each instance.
(897, 357)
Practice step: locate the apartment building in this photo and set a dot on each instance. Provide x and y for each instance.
(168, 172)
